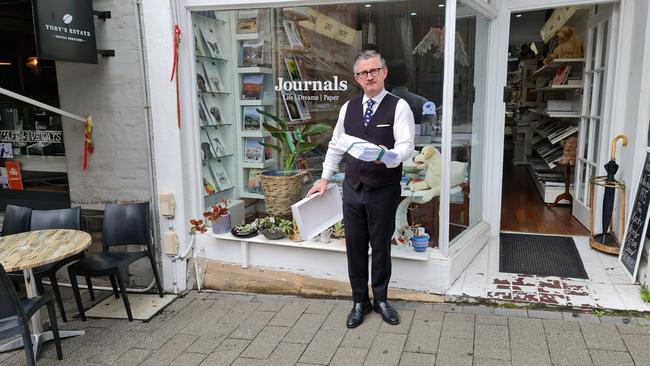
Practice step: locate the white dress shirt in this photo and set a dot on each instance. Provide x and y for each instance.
(403, 132)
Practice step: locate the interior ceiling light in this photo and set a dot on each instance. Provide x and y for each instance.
(32, 62)
(368, 5)
(5, 63)
(414, 14)
(518, 15)
(441, 5)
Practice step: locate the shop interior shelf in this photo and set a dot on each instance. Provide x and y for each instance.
(558, 88)
(212, 58)
(256, 102)
(255, 70)
(264, 165)
(547, 193)
(252, 36)
(216, 126)
(245, 194)
(553, 65)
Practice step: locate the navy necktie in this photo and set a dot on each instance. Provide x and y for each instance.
(368, 114)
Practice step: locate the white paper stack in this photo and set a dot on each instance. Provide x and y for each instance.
(364, 150)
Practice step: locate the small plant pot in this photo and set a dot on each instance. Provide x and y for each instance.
(326, 236)
(420, 243)
(222, 226)
(273, 234)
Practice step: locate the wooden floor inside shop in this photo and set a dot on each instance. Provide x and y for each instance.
(522, 208)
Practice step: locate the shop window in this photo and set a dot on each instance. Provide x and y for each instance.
(296, 64)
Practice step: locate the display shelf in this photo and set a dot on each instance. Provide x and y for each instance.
(252, 36)
(255, 134)
(216, 126)
(552, 66)
(218, 158)
(550, 162)
(556, 114)
(213, 93)
(556, 132)
(254, 70)
(558, 88)
(212, 58)
(245, 102)
(548, 193)
(246, 194)
(264, 165)
(203, 15)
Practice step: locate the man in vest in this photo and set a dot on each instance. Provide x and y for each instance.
(371, 190)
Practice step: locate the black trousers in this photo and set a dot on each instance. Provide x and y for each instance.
(369, 217)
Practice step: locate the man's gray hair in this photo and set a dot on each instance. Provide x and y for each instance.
(368, 54)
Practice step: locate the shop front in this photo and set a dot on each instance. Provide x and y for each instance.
(245, 65)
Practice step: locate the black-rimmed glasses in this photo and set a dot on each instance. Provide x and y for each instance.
(372, 72)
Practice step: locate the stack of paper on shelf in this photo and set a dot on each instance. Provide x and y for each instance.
(364, 150)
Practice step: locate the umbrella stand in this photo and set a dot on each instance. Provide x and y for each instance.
(606, 241)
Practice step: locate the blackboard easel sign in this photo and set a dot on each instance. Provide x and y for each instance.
(638, 224)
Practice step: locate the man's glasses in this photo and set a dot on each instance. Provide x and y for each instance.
(372, 72)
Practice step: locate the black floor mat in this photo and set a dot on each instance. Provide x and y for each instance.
(540, 255)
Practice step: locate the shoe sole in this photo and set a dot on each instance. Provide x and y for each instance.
(354, 326)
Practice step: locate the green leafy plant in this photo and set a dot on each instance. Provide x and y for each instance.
(600, 312)
(339, 229)
(645, 294)
(274, 224)
(290, 144)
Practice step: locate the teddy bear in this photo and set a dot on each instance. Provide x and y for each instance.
(570, 145)
(429, 159)
(569, 45)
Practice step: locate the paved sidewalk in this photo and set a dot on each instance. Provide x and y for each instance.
(248, 329)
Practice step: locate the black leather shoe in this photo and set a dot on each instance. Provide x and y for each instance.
(359, 309)
(387, 312)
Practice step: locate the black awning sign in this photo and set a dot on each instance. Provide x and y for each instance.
(65, 30)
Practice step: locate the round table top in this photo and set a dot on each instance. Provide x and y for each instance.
(40, 247)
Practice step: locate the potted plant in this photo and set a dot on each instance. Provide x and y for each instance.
(244, 231)
(219, 216)
(273, 227)
(338, 230)
(282, 187)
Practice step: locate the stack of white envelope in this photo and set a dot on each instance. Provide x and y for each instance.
(364, 150)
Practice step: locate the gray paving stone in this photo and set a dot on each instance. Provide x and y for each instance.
(458, 326)
(207, 344)
(323, 347)
(270, 306)
(521, 313)
(425, 332)
(633, 329)
(528, 342)
(194, 295)
(491, 319)
(280, 299)
(639, 348)
(349, 356)
(602, 336)
(492, 341)
(289, 314)
(240, 312)
(565, 343)
(247, 362)
(363, 335)
(226, 352)
(417, 359)
(254, 324)
(386, 349)
(418, 306)
(609, 358)
(405, 319)
(265, 342)
(455, 351)
(478, 309)
(479, 361)
(172, 349)
(321, 307)
(580, 317)
(189, 359)
(114, 349)
(231, 296)
(305, 328)
(544, 314)
(337, 317)
(616, 320)
(285, 354)
(447, 308)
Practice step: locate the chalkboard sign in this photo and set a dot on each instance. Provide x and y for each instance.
(636, 228)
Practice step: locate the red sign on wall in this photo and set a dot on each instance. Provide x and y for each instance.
(14, 179)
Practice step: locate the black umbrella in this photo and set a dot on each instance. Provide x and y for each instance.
(608, 198)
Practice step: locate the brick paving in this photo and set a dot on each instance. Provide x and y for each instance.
(249, 329)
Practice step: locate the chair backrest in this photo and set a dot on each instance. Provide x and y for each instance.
(126, 224)
(17, 220)
(9, 305)
(65, 218)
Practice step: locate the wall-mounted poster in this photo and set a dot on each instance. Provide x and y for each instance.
(6, 150)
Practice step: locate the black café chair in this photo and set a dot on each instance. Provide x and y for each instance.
(15, 314)
(17, 219)
(66, 218)
(124, 224)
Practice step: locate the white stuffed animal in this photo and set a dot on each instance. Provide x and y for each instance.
(429, 159)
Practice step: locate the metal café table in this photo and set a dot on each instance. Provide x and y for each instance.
(24, 251)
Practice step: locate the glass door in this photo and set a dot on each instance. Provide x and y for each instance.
(594, 110)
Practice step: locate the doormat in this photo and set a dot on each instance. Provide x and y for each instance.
(540, 255)
(143, 306)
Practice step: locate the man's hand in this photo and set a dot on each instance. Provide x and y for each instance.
(319, 187)
(379, 161)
